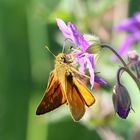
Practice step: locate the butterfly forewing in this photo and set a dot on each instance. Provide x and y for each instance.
(53, 97)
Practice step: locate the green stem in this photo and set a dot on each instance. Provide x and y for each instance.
(131, 74)
(120, 58)
(125, 68)
(118, 75)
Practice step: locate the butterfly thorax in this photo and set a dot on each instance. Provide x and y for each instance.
(62, 67)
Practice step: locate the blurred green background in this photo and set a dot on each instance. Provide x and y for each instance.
(25, 28)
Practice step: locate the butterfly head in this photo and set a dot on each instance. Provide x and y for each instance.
(64, 58)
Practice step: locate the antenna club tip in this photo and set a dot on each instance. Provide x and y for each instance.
(49, 50)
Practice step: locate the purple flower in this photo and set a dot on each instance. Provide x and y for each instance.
(85, 59)
(132, 27)
(121, 101)
(70, 32)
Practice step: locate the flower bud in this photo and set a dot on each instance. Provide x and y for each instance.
(121, 101)
(132, 56)
(134, 61)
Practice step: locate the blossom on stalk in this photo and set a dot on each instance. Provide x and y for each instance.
(84, 56)
(121, 101)
(132, 27)
(134, 62)
(132, 56)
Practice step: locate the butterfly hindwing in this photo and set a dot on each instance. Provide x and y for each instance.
(79, 80)
(75, 102)
(84, 92)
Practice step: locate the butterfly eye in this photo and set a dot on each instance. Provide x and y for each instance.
(63, 59)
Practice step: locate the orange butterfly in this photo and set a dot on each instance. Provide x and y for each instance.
(65, 86)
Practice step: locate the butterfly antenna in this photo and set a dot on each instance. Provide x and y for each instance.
(49, 50)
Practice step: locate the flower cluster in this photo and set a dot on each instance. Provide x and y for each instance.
(88, 48)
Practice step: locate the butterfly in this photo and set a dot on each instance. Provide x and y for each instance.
(66, 86)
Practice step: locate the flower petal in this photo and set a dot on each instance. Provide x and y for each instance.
(64, 29)
(82, 64)
(127, 26)
(130, 25)
(127, 43)
(90, 65)
(70, 31)
(99, 80)
(78, 39)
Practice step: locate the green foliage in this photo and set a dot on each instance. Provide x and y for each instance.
(25, 28)
(66, 129)
(15, 83)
